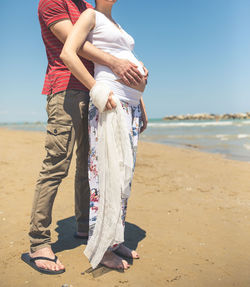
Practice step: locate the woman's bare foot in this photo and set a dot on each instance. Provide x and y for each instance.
(126, 252)
(113, 261)
(45, 264)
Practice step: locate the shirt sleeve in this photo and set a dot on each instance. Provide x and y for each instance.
(51, 11)
(88, 5)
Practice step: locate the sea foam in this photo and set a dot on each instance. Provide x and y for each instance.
(182, 124)
(242, 136)
(247, 146)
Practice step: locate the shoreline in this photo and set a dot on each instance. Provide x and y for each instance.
(179, 146)
(197, 149)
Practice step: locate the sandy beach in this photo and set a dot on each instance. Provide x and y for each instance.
(188, 217)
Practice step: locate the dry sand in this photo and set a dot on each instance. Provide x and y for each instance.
(188, 217)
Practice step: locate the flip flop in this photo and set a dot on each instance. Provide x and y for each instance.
(86, 237)
(31, 262)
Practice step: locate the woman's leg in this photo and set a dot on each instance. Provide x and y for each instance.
(92, 167)
(133, 119)
(110, 259)
(132, 115)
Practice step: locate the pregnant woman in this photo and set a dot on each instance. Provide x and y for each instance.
(116, 113)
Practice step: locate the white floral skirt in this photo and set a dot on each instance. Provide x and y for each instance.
(133, 119)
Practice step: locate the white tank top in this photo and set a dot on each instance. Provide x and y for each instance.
(113, 40)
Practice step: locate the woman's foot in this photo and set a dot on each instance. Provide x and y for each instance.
(45, 264)
(113, 261)
(126, 252)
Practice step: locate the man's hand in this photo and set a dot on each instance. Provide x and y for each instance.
(126, 71)
(110, 102)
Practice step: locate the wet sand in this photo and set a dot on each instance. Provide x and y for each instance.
(188, 217)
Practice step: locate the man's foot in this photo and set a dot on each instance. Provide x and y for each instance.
(113, 261)
(45, 264)
(126, 252)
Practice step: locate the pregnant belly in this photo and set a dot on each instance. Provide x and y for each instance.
(130, 56)
(103, 72)
(140, 87)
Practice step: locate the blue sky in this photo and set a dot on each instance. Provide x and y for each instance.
(197, 53)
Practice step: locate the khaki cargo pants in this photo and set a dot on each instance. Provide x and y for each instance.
(67, 122)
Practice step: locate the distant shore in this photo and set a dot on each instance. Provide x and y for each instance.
(204, 116)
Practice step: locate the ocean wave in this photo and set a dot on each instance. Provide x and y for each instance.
(182, 124)
(232, 136)
(242, 136)
(247, 146)
(247, 122)
(223, 137)
(220, 136)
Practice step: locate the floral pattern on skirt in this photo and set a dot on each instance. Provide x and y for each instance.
(133, 119)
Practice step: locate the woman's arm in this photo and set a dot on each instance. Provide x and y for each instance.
(76, 38)
(144, 116)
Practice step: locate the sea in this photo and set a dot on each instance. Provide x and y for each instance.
(231, 138)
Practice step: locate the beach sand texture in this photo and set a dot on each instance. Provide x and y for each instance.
(188, 217)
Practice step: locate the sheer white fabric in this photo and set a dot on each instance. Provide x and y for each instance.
(115, 165)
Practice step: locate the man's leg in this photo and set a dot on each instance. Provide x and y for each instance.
(82, 194)
(63, 116)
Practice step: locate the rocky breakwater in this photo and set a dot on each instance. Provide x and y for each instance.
(203, 116)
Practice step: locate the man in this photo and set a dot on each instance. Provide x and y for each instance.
(67, 108)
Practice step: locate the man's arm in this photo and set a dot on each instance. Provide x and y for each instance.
(124, 69)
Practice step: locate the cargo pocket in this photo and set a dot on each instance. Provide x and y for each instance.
(57, 139)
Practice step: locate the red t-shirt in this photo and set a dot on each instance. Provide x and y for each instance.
(58, 77)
